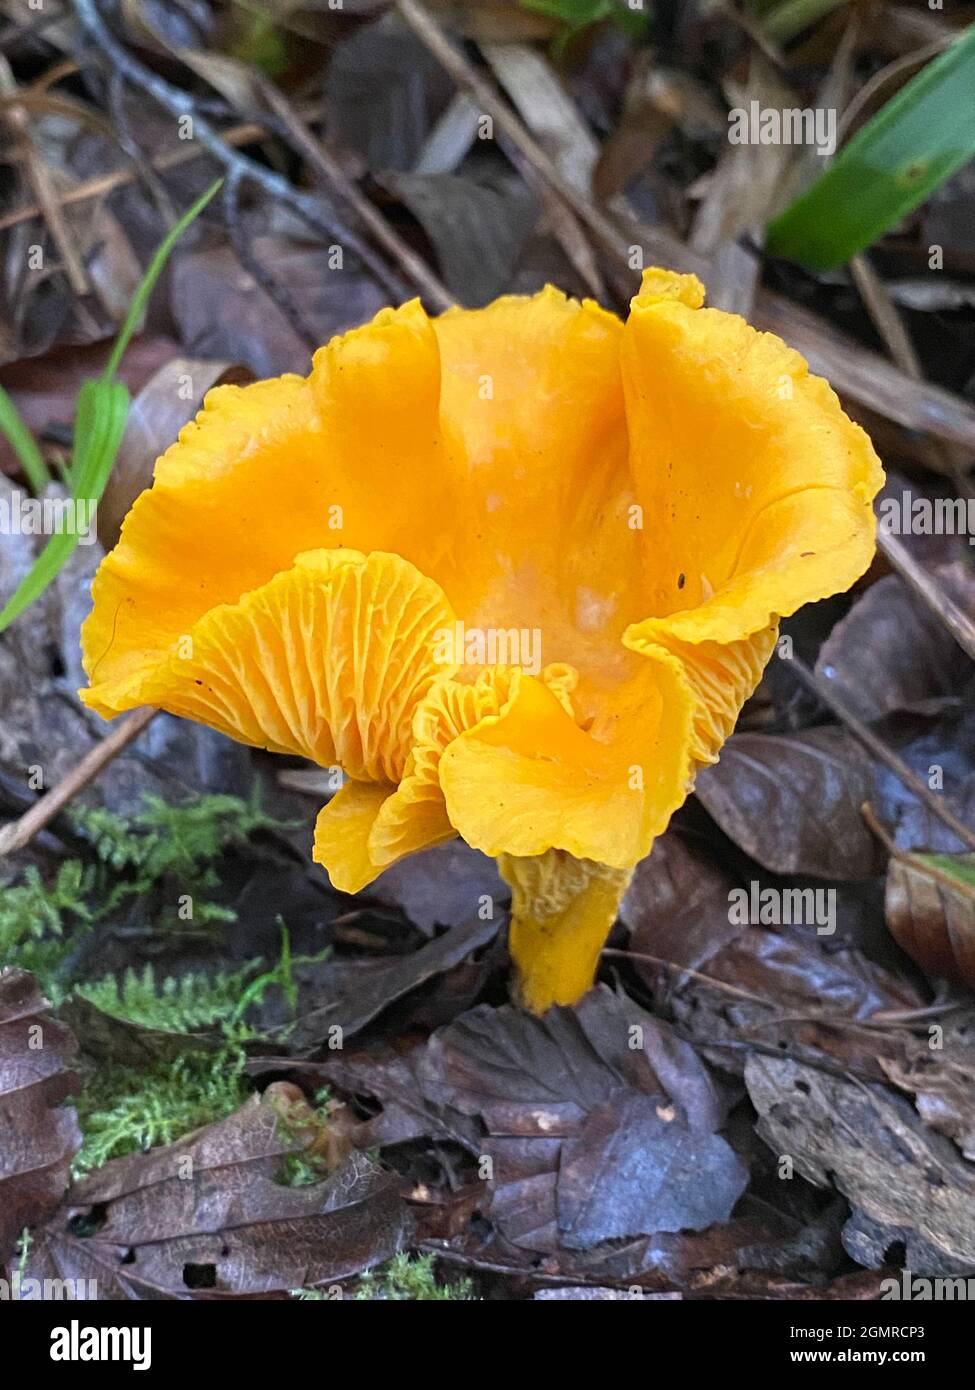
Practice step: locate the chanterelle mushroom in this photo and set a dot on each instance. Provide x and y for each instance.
(513, 569)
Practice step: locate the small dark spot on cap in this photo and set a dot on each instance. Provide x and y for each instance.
(680, 581)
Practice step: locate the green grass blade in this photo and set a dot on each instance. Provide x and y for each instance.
(153, 271)
(920, 138)
(105, 406)
(22, 442)
(100, 415)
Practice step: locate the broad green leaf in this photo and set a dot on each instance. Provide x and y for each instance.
(920, 138)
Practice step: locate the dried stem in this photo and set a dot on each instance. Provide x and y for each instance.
(865, 735)
(180, 104)
(44, 189)
(329, 170)
(251, 263)
(20, 832)
(914, 861)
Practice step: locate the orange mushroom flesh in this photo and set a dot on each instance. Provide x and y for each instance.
(514, 570)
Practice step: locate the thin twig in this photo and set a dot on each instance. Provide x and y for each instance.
(891, 328)
(865, 735)
(889, 324)
(491, 103)
(115, 93)
(44, 189)
(252, 264)
(244, 134)
(180, 104)
(328, 169)
(914, 861)
(941, 604)
(20, 832)
(536, 1276)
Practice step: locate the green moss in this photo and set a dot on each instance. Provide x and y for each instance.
(412, 1277)
(405, 1278)
(175, 845)
(124, 1109)
(41, 924)
(182, 1004)
(162, 839)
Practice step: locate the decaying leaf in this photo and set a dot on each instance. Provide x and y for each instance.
(441, 886)
(752, 985)
(358, 991)
(930, 907)
(633, 1167)
(39, 1135)
(383, 91)
(939, 1071)
(210, 1216)
(761, 780)
(888, 654)
(565, 1100)
(477, 225)
(258, 334)
(907, 1185)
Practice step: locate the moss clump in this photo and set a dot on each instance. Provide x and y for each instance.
(181, 1004)
(161, 839)
(405, 1278)
(412, 1277)
(164, 850)
(175, 845)
(168, 851)
(41, 924)
(126, 1109)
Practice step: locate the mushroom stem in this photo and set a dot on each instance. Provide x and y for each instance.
(562, 910)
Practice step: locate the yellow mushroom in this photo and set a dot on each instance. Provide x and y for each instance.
(514, 570)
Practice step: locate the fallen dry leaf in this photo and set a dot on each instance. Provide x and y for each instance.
(358, 991)
(939, 1071)
(793, 802)
(38, 1135)
(209, 1215)
(538, 1085)
(906, 1184)
(930, 908)
(888, 653)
